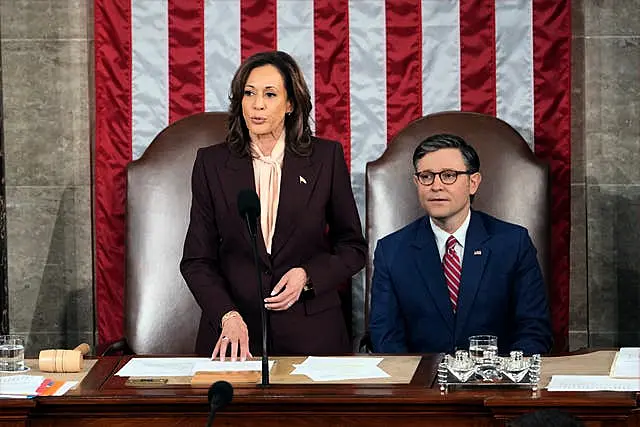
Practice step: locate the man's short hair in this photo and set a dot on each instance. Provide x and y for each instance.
(445, 140)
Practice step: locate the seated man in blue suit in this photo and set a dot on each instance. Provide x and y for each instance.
(456, 272)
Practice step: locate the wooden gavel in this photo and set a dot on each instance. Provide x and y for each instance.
(63, 360)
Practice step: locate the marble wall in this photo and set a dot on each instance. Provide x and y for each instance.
(605, 272)
(47, 87)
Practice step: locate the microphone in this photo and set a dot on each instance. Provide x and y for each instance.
(220, 394)
(249, 210)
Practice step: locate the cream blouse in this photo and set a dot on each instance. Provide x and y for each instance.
(267, 171)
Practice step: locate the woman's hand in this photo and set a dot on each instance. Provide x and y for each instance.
(235, 334)
(288, 290)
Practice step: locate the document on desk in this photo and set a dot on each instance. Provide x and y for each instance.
(21, 385)
(340, 368)
(183, 366)
(592, 383)
(627, 363)
(160, 366)
(229, 366)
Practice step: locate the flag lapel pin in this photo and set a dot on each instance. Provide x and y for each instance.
(477, 252)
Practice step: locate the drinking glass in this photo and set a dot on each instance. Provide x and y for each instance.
(12, 353)
(483, 347)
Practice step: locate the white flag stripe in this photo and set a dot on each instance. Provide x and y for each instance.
(149, 73)
(514, 65)
(368, 82)
(296, 37)
(440, 55)
(221, 51)
(368, 109)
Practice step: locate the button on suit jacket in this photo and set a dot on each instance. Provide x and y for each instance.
(317, 228)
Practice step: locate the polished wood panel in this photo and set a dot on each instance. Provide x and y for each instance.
(103, 399)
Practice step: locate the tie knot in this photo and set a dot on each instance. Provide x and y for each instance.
(451, 243)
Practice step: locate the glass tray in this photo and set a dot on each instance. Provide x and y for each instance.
(490, 370)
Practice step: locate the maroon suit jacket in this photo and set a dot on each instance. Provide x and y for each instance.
(218, 266)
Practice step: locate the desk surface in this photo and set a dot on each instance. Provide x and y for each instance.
(103, 399)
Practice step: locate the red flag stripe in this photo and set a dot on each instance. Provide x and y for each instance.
(552, 121)
(112, 153)
(186, 58)
(258, 26)
(478, 56)
(331, 19)
(404, 64)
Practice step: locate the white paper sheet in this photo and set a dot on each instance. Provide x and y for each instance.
(160, 366)
(228, 366)
(340, 368)
(592, 383)
(26, 385)
(626, 363)
(183, 366)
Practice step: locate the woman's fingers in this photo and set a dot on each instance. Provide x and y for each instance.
(235, 338)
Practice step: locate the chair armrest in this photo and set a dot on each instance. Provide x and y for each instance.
(117, 347)
(362, 343)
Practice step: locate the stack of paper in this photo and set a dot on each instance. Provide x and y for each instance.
(623, 376)
(21, 385)
(592, 383)
(160, 366)
(626, 363)
(340, 368)
(183, 366)
(33, 385)
(229, 366)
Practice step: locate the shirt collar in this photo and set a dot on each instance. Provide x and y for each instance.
(441, 236)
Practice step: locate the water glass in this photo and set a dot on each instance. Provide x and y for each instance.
(483, 347)
(11, 353)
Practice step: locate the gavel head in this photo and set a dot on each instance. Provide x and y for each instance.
(60, 361)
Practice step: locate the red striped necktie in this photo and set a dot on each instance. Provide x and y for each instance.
(452, 271)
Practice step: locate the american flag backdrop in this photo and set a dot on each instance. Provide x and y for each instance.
(372, 67)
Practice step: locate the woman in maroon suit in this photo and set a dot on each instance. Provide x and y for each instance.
(309, 233)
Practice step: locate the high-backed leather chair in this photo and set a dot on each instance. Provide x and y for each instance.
(515, 184)
(161, 315)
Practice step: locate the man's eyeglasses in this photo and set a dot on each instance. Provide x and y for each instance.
(447, 176)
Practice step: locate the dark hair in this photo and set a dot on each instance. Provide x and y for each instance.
(445, 140)
(296, 123)
(546, 418)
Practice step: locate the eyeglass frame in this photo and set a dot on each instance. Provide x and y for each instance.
(418, 176)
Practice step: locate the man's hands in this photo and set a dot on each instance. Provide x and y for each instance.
(287, 291)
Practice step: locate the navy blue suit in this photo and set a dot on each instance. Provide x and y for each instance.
(502, 292)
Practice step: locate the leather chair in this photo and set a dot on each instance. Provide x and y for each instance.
(515, 183)
(161, 315)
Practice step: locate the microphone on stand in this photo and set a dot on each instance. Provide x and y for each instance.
(220, 394)
(249, 210)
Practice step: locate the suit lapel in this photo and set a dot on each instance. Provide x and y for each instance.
(299, 176)
(239, 176)
(429, 265)
(475, 257)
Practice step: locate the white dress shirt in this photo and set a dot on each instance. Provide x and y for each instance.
(460, 234)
